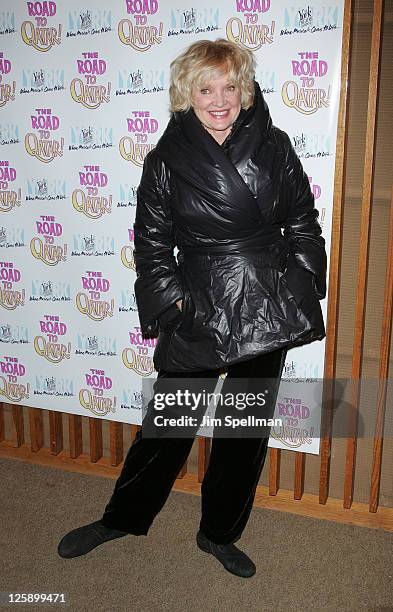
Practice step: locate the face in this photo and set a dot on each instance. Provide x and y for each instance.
(217, 105)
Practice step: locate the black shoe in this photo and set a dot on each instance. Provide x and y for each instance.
(233, 559)
(82, 540)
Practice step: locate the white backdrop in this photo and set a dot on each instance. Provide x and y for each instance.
(83, 98)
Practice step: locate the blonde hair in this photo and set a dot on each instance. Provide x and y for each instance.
(207, 59)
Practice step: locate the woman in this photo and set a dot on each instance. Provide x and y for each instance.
(220, 185)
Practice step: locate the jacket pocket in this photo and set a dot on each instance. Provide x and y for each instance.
(185, 306)
(300, 282)
(301, 288)
(169, 317)
(168, 322)
(161, 357)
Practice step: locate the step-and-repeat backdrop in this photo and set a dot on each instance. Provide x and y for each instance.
(83, 98)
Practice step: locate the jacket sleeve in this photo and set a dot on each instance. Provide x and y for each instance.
(158, 284)
(301, 228)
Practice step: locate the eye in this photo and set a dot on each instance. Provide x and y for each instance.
(231, 88)
(204, 91)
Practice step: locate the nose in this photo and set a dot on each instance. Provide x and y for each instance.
(219, 99)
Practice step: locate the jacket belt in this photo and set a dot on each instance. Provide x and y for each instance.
(251, 244)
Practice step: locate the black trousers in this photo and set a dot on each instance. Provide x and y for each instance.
(228, 488)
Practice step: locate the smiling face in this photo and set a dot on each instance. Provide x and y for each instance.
(217, 105)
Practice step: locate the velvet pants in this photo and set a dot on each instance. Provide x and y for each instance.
(228, 488)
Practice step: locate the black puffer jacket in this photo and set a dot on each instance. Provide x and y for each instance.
(247, 287)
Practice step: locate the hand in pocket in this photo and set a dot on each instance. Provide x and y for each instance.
(170, 316)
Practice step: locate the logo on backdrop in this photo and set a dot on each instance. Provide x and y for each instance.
(87, 199)
(127, 195)
(95, 397)
(89, 137)
(53, 385)
(127, 301)
(9, 133)
(9, 198)
(7, 22)
(84, 89)
(10, 297)
(45, 189)
(289, 370)
(141, 81)
(51, 343)
(193, 21)
(93, 244)
(132, 399)
(40, 34)
(91, 303)
(317, 191)
(13, 334)
(295, 370)
(42, 80)
(136, 31)
(303, 94)
(245, 29)
(295, 429)
(267, 80)
(135, 147)
(139, 355)
(127, 252)
(11, 387)
(7, 90)
(88, 22)
(48, 290)
(42, 144)
(92, 344)
(44, 247)
(309, 19)
(12, 237)
(312, 146)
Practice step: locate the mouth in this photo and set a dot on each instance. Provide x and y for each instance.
(223, 114)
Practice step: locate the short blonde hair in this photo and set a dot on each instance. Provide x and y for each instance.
(207, 59)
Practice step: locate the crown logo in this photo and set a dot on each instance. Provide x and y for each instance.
(89, 242)
(5, 332)
(85, 20)
(87, 134)
(300, 142)
(137, 398)
(42, 186)
(92, 343)
(133, 305)
(305, 16)
(189, 18)
(290, 369)
(50, 384)
(136, 79)
(47, 288)
(38, 78)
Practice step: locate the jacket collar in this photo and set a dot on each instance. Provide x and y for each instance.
(193, 154)
(247, 134)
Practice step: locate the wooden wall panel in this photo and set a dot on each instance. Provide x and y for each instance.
(360, 308)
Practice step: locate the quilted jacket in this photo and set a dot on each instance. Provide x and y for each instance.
(251, 261)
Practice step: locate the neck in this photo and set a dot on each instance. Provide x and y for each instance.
(218, 135)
